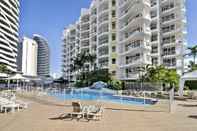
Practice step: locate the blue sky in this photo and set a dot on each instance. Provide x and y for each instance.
(49, 17)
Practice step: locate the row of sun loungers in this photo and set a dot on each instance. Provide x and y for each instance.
(8, 102)
(90, 112)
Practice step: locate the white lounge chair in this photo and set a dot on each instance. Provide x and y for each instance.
(94, 113)
(22, 104)
(5, 104)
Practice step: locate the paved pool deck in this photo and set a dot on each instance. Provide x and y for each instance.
(43, 115)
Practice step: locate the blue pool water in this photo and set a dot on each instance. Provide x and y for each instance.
(100, 95)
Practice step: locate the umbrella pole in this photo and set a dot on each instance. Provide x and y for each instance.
(8, 84)
(16, 84)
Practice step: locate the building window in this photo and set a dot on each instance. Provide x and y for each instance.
(169, 62)
(168, 17)
(153, 3)
(169, 51)
(113, 13)
(154, 60)
(113, 37)
(153, 14)
(113, 61)
(113, 25)
(168, 28)
(113, 48)
(153, 26)
(154, 49)
(113, 73)
(154, 37)
(113, 2)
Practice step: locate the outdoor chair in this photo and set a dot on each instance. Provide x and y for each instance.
(77, 110)
(94, 113)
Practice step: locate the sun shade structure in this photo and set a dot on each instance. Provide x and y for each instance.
(16, 77)
(187, 77)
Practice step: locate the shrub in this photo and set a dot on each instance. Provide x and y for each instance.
(115, 85)
(192, 85)
(80, 83)
(98, 75)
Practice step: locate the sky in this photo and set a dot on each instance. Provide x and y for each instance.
(49, 17)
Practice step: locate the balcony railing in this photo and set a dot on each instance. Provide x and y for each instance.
(130, 20)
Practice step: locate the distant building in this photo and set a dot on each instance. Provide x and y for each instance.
(43, 63)
(9, 28)
(27, 58)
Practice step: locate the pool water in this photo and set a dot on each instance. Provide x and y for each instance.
(99, 95)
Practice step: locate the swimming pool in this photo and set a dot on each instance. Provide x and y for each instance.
(99, 95)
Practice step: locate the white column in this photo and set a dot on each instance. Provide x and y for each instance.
(181, 87)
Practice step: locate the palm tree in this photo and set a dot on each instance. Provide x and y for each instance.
(193, 52)
(147, 72)
(91, 58)
(4, 69)
(192, 66)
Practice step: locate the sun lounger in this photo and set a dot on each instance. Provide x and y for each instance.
(94, 113)
(89, 112)
(11, 106)
(77, 110)
(5, 104)
(22, 104)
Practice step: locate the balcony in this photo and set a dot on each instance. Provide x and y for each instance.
(131, 33)
(132, 59)
(103, 6)
(130, 20)
(168, 18)
(169, 51)
(103, 52)
(171, 62)
(103, 29)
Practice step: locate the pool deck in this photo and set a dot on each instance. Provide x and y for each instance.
(43, 113)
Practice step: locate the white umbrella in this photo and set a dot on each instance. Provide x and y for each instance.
(17, 77)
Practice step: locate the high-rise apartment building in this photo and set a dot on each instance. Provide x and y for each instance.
(128, 34)
(168, 33)
(71, 48)
(133, 37)
(29, 51)
(43, 62)
(33, 57)
(9, 26)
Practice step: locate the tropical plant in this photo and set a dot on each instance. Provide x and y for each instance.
(92, 77)
(146, 72)
(115, 84)
(80, 66)
(162, 75)
(91, 58)
(79, 62)
(4, 69)
(192, 66)
(193, 53)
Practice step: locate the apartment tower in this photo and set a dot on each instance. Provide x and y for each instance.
(127, 34)
(43, 57)
(29, 52)
(9, 26)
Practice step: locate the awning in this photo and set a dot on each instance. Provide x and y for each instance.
(186, 77)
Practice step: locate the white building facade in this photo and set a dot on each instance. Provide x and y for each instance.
(128, 34)
(9, 28)
(29, 57)
(168, 29)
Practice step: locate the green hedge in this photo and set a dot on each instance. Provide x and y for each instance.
(192, 85)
